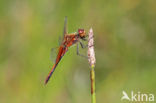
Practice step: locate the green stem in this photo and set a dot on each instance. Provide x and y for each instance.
(92, 78)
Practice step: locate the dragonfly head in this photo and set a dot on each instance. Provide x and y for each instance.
(81, 33)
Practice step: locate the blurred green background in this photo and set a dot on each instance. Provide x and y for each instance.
(125, 46)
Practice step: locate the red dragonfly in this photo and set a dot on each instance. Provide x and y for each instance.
(68, 40)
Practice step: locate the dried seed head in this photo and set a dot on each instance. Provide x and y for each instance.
(91, 53)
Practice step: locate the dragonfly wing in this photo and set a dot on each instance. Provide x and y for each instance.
(60, 40)
(65, 27)
(53, 54)
(61, 53)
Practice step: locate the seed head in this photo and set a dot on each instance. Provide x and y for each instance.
(91, 52)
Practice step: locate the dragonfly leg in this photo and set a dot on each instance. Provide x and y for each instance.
(88, 40)
(85, 46)
(84, 39)
(82, 45)
(79, 53)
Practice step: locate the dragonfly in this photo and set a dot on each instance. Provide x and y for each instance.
(67, 41)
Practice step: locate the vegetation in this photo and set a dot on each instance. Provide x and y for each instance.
(124, 34)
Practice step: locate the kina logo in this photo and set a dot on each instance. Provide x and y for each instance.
(140, 97)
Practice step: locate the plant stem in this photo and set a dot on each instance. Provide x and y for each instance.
(92, 78)
(92, 61)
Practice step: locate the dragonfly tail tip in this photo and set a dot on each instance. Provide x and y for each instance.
(46, 81)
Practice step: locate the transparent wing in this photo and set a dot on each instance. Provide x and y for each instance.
(60, 40)
(54, 51)
(53, 54)
(65, 27)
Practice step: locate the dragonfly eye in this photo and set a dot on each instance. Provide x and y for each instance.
(81, 33)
